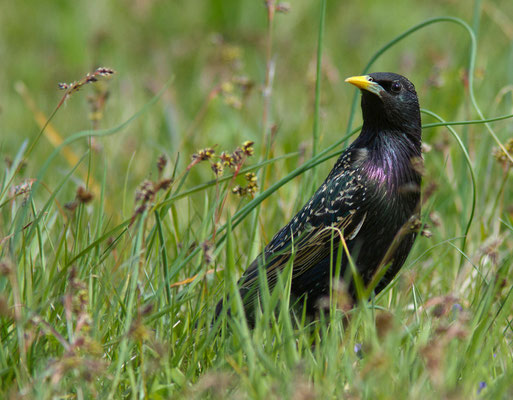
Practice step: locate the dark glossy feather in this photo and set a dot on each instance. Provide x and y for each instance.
(368, 197)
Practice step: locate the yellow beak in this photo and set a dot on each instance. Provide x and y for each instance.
(365, 82)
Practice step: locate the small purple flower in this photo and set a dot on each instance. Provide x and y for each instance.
(358, 350)
(457, 307)
(482, 385)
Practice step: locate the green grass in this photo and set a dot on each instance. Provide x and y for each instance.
(112, 297)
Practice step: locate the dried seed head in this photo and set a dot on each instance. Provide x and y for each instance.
(252, 189)
(163, 184)
(233, 101)
(145, 191)
(491, 249)
(71, 206)
(501, 156)
(237, 156)
(161, 163)
(207, 248)
(88, 78)
(239, 191)
(247, 148)
(251, 177)
(204, 154)
(418, 165)
(218, 168)
(435, 218)
(83, 195)
(252, 186)
(426, 233)
(227, 159)
(23, 188)
(102, 71)
(414, 223)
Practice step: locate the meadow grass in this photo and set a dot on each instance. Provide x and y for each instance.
(117, 241)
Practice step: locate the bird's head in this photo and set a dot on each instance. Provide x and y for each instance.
(389, 101)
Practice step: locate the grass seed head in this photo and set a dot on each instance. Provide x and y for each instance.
(218, 168)
(227, 160)
(501, 156)
(204, 154)
(84, 196)
(161, 163)
(247, 148)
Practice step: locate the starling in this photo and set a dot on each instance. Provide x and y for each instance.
(370, 197)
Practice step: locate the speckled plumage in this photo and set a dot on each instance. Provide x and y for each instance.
(368, 197)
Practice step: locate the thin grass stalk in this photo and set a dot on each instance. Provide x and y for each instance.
(472, 176)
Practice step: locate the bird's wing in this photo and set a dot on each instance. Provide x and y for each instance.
(332, 211)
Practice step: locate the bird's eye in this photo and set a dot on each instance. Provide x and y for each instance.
(396, 87)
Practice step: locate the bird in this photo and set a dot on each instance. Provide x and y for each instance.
(366, 203)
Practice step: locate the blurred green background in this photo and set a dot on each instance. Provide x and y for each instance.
(203, 43)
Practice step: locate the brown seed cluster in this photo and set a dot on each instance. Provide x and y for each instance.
(247, 148)
(502, 157)
(251, 187)
(233, 160)
(87, 79)
(148, 189)
(146, 192)
(208, 252)
(217, 168)
(415, 225)
(82, 196)
(23, 189)
(73, 87)
(161, 164)
(204, 154)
